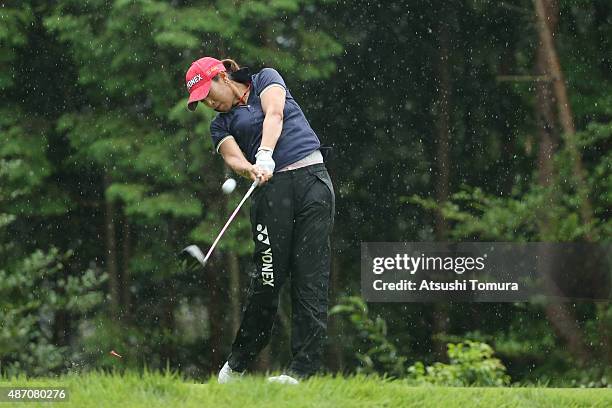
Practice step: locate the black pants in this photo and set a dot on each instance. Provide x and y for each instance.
(292, 217)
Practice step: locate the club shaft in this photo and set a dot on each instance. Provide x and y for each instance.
(247, 195)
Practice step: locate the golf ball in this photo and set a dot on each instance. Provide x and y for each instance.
(228, 186)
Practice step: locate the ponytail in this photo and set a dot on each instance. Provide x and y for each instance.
(230, 65)
(235, 73)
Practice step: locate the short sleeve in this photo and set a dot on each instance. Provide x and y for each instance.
(269, 77)
(218, 132)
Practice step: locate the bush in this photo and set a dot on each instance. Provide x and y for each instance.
(33, 291)
(471, 363)
(380, 355)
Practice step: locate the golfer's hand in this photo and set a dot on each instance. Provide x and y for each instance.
(256, 172)
(265, 160)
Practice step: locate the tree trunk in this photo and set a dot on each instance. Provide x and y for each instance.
(440, 310)
(549, 139)
(442, 130)
(334, 352)
(547, 131)
(168, 351)
(216, 316)
(234, 292)
(263, 361)
(126, 280)
(111, 252)
(543, 10)
(558, 315)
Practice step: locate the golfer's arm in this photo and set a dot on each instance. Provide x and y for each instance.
(272, 104)
(234, 158)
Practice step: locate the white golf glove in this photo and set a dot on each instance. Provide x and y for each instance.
(264, 159)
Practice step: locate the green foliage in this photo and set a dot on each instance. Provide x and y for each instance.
(23, 149)
(471, 364)
(33, 292)
(236, 238)
(13, 34)
(94, 118)
(37, 290)
(164, 204)
(380, 355)
(540, 213)
(597, 376)
(550, 214)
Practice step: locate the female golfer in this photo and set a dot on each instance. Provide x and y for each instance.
(261, 132)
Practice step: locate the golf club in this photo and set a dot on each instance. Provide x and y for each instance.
(192, 256)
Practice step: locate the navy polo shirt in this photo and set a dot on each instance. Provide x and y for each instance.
(245, 124)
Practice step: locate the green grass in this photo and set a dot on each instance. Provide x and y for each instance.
(159, 390)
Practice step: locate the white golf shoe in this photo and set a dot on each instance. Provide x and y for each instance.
(227, 375)
(283, 379)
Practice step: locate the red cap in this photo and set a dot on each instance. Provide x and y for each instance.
(198, 78)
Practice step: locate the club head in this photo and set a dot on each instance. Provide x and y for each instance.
(192, 258)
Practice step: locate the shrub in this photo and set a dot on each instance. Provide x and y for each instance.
(471, 363)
